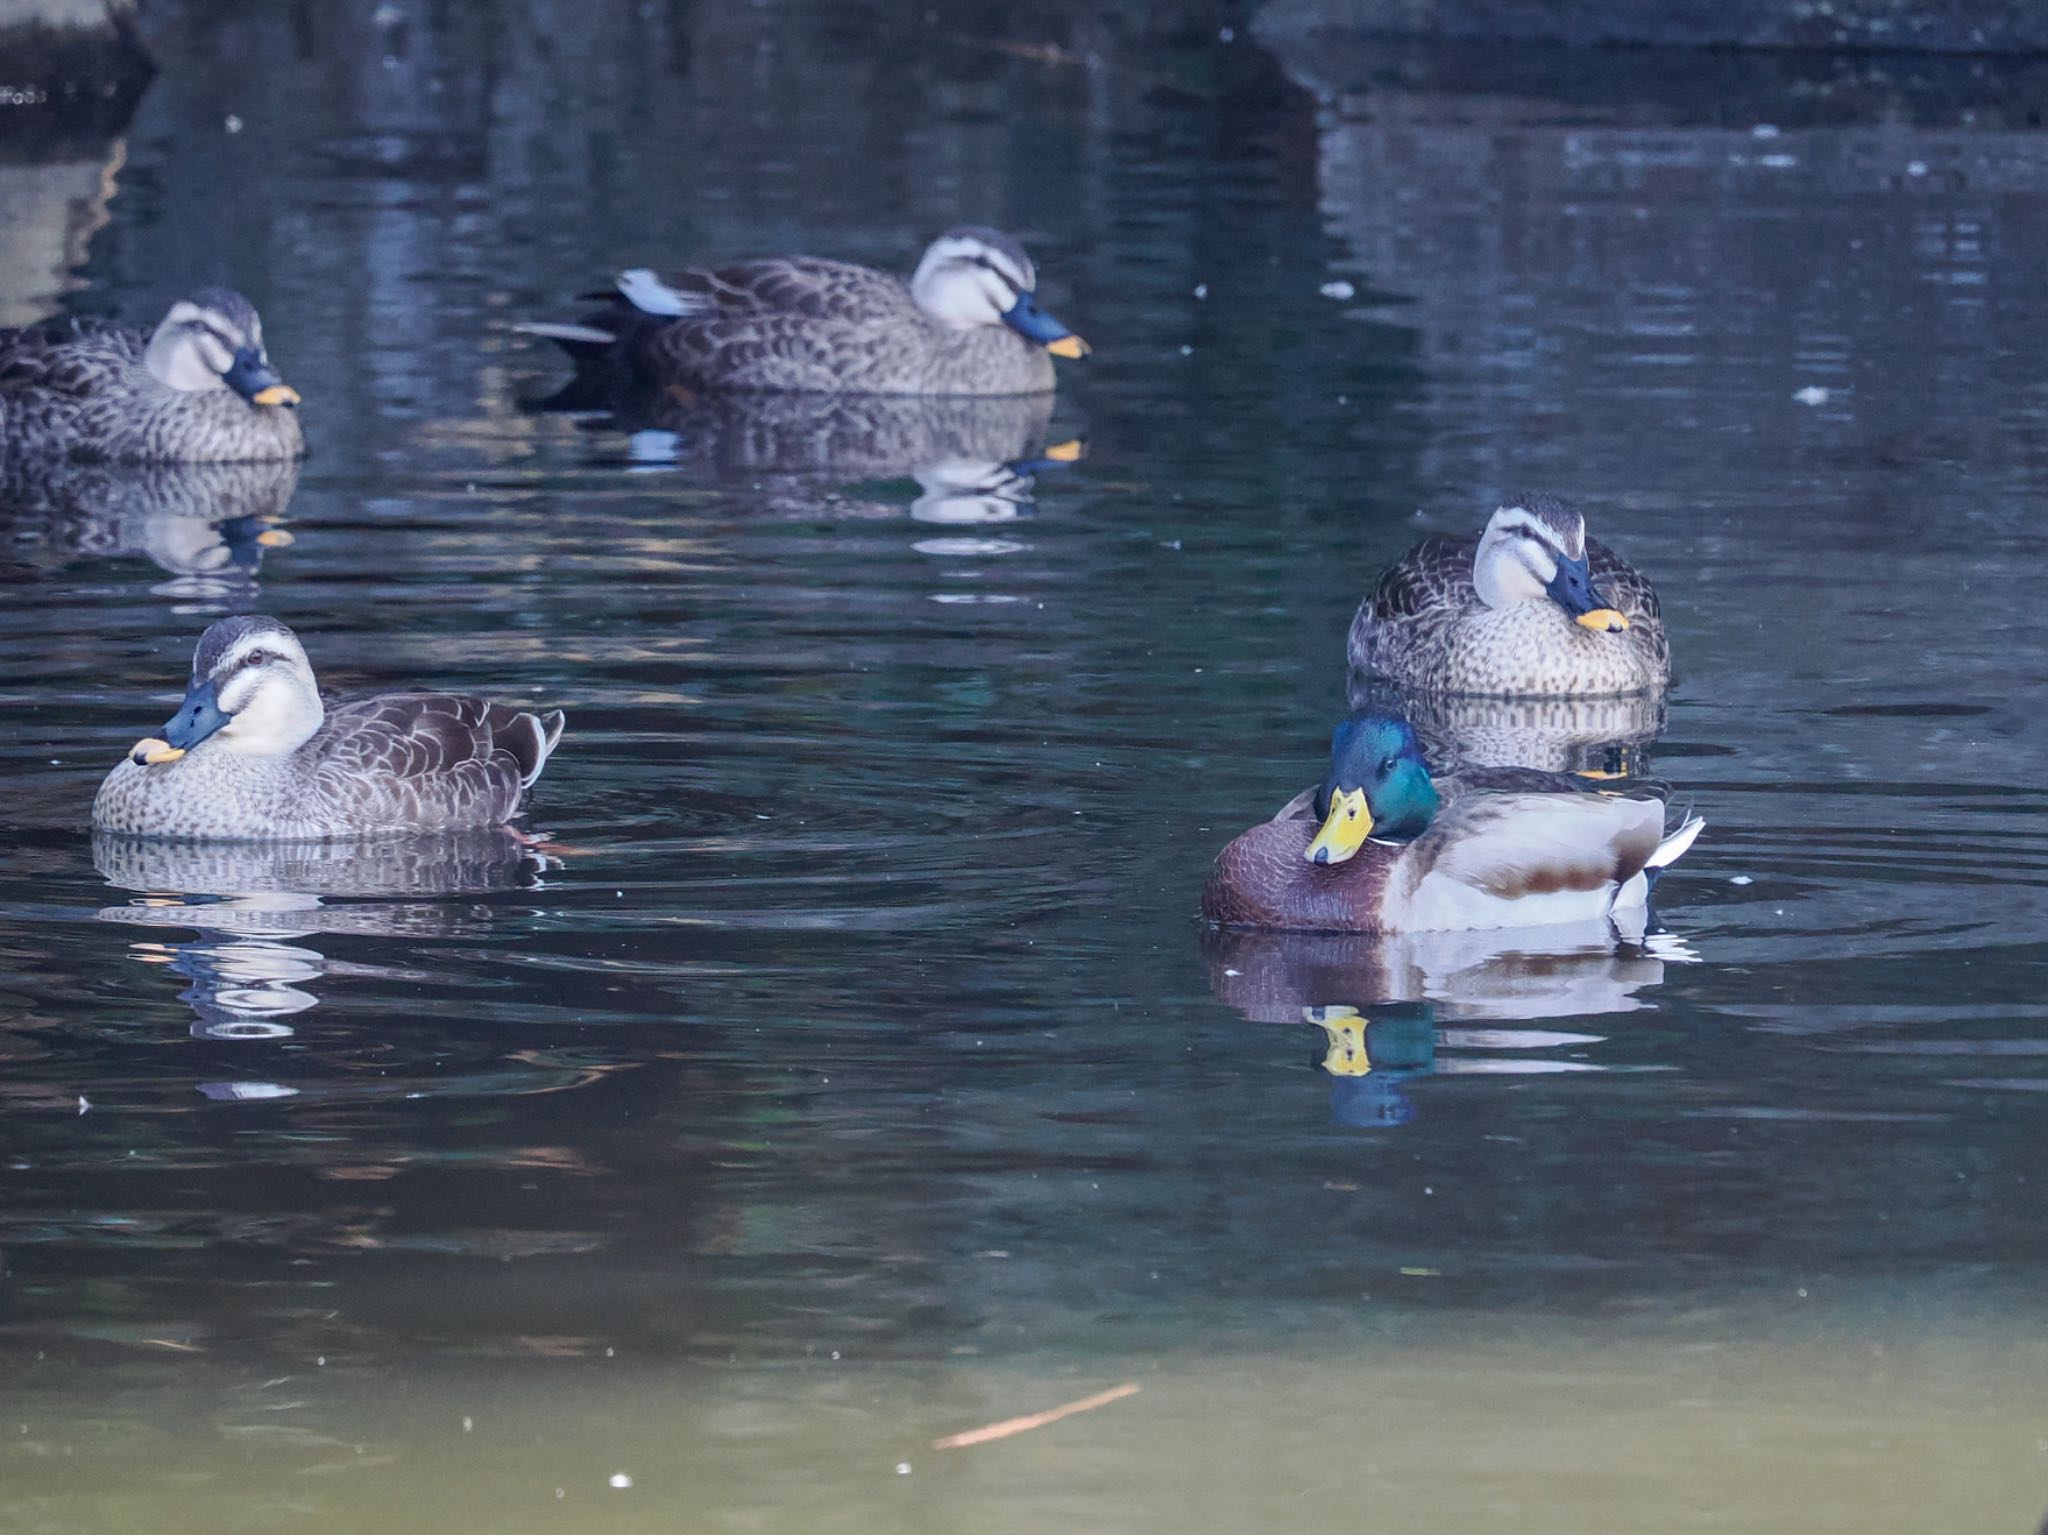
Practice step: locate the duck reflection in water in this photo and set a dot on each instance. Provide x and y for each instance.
(1392, 1008)
(1599, 738)
(973, 460)
(250, 902)
(207, 526)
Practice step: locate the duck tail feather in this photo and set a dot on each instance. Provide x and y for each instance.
(1673, 847)
(576, 340)
(535, 742)
(650, 295)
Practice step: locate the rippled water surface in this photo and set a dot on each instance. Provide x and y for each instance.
(848, 1068)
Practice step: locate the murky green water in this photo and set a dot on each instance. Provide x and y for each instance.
(854, 1071)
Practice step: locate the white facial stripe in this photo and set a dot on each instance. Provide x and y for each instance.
(1020, 282)
(1519, 522)
(1515, 518)
(1002, 293)
(281, 650)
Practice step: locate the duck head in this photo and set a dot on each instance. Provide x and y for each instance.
(214, 340)
(1534, 550)
(252, 692)
(1378, 786)
(974, 276)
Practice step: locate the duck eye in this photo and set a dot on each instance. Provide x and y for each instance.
(1386, 766)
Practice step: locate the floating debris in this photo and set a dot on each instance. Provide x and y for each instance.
(1009, 1426)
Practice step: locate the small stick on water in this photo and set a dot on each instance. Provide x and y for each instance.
(1009, 1426)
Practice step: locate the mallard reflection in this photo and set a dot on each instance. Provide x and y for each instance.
(208, 526)
(1603, 737)
(1396, 1007)
(250, 902)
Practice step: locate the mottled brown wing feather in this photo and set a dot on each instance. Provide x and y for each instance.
(65, 357)
(436, 757)
(1436, 573)
(789, 322)
(1418, 598)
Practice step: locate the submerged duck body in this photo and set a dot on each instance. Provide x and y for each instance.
(254, 755)
(1528, 607)
(1383, 851)
(966, 322)
(197, 389)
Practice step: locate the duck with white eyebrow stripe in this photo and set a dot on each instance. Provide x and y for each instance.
(253, 754)
(966, 322)
(1529, 607)
(199, 388)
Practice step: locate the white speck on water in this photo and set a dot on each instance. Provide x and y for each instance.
(760, 817)
(84, 1103)
(1187, 351)
(1916, 167)
(621, 1481)
(903, 1468)
(1740, 879)
(1227, 35)
(1427, 1189)
(468, 1424)
(835, 1353)
(1802, 1292)
(1764, 131)
(560, 1493)
(1201, 290)
(1812, 394)
(1777, 162)
(232, 123)
(321, 1361)
(609, 1353)
(1339, 289)
(1233, 972)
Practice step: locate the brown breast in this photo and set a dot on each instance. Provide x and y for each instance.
(1264, 880)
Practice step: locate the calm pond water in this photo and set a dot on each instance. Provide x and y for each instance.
(852, 1070)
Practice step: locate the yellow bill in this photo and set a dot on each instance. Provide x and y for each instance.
(274, 538)
(1346, 1056)
(1069, 346)
(1068, 452)
(151, 751)
(276, 394)
(1604, 620)
(1345, 829)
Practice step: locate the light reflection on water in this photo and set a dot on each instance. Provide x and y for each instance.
(856, 1006)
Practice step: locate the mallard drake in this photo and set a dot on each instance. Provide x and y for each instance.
(966, 322)
(1384, 850)
(253, 755)
(1530, 606)
(197, 389)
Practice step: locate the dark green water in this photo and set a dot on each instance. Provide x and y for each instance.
(856, 1072)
